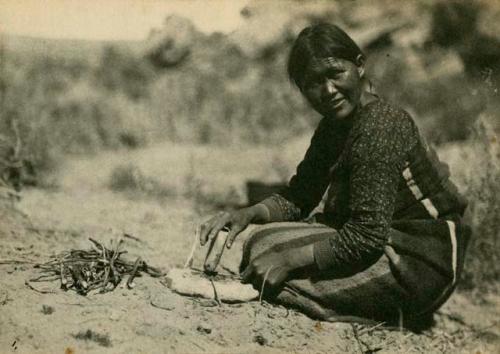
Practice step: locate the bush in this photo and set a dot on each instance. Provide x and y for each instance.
(217, 94)
(206, 199)
(129, 178)
(211, 105)
(121, 71)
(482, 268)
(444, 104)
(60, 107)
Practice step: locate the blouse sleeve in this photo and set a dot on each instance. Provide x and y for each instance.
(377, 155)
(307, 186)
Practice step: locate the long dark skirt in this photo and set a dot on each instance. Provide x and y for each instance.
(415, 275)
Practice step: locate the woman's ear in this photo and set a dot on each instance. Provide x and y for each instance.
(360, 63)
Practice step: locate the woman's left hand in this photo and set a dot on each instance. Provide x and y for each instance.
(271, 267)
(275, 266)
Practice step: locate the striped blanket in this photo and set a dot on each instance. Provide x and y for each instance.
(415, 275)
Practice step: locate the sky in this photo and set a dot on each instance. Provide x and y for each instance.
(112, 19)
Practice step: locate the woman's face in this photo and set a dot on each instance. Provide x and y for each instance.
(333, 86)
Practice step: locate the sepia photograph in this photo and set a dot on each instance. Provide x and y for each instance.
(250, 176)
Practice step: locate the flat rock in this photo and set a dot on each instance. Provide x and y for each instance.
(194, 283)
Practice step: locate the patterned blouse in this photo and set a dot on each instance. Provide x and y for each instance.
(357, 167)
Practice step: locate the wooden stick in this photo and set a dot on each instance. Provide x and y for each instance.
(189, 260)
(132, 237)
(105, 281)
(370, 329)
(79, 277)
(216, 296)
(14, 261)
(42, 278)
(64, 281)
(98, 244)
(264, 283)
(130, 281)
(215, 251)
(114, 274)
(27, 283)
(160, 307)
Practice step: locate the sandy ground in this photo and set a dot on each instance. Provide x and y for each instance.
(152, 319)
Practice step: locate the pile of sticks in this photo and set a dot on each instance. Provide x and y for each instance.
(99, 268)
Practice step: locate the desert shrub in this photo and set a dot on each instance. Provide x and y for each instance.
(453, 20)
(482, 269)
(33, 91)
(122, 71)
(217, 94)
(445, 106)
(20, 106)
(210, 105)
(206, 199)
(129, 178)
(60, 108)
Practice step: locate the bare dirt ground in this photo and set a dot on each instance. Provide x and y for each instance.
(152, 319)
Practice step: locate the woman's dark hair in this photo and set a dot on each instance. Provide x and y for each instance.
(320, 41)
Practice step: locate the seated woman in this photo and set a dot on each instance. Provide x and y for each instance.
(389, 242)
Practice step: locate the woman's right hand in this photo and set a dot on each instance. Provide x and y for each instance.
(236, 221)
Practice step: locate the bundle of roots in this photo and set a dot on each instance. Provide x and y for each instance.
(99, 268)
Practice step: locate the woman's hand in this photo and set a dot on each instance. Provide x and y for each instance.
(236, 221)
(275, 266)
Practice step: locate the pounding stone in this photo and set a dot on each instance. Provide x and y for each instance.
(193, 283)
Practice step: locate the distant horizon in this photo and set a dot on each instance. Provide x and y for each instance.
(102, 21)
(65, 39)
